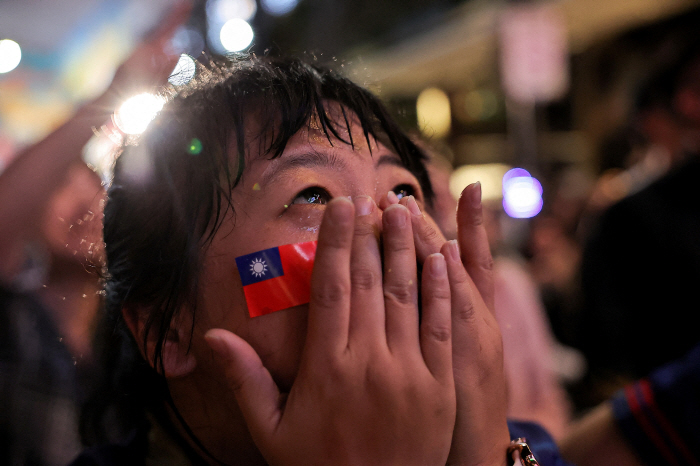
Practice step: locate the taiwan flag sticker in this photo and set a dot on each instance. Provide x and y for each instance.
(277, 278)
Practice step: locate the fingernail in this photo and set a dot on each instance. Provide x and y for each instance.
(392, 197)
(437, 265)
(340, 210)
(452, 250)
(476, 195)
(363, 205)
(413, 206)
(395, 216)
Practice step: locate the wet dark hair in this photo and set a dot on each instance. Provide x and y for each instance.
(172, 189)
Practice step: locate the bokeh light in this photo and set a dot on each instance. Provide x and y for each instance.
(195, 147)
(489, 174)
(236, 35)
(137, 112)
(220, 11)
(433, 111)
(184, 71)
(522, 194)
(10, 55)
(278, 7)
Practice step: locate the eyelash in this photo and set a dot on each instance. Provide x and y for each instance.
(319, 196)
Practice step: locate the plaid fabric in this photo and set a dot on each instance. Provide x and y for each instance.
(39, 389)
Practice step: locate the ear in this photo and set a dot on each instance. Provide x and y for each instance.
(178, 361)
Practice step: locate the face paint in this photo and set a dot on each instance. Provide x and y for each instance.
(277, 278)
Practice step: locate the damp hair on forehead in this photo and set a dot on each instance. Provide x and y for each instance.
(172, 186)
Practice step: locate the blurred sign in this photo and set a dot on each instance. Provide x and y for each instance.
(534, 58)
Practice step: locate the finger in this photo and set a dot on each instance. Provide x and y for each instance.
(400, 280)
(367, 320)
(389, 199)
(329, 305)
(465, 302)
(257, 395)
(436, 326)
(474, 243)
(427, 236)
(176, 17)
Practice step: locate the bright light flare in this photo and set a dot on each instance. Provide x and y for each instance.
(10, 55)
(223, 10)
(236, 34)
(184, 71)
(522, 194)
(278, 7)
(137, 112)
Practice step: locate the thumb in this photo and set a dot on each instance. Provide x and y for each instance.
(257, 394)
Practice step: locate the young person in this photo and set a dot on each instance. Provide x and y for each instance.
(387, 364)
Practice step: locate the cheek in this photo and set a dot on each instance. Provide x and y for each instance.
(278, 338)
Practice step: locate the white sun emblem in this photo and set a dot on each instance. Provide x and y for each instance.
(258, 267)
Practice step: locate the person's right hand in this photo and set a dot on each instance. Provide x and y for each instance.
(481, 433)
(374, 386)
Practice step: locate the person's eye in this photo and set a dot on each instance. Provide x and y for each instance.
(404, 190)
(314, 195)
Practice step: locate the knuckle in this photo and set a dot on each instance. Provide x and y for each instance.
(487, 263)
(329, 293)
(477, 219)
(438, 293)
(398, 247)
(428, 233)
(401, 293)
(466, 312)
(333, 242)
(441, 333)
(363, 279)
(363, 229)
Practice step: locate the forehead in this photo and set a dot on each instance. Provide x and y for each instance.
(341, 131)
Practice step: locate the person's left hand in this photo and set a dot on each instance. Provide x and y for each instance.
(481, 434)
(151, 63)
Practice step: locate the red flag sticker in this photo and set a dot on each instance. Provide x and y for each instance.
(277, 278)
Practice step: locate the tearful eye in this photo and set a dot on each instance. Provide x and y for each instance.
(313, 195)
(404, 190)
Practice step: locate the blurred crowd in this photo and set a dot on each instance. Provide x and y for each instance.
(596, 294)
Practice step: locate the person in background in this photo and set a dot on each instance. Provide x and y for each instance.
(641, 263)
(51, 257)
(653, 421)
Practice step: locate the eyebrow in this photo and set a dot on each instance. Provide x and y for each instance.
(318, 159)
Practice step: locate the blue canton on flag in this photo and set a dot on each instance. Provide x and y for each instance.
(259, 266)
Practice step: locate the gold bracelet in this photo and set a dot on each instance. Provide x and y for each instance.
(519, 449)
